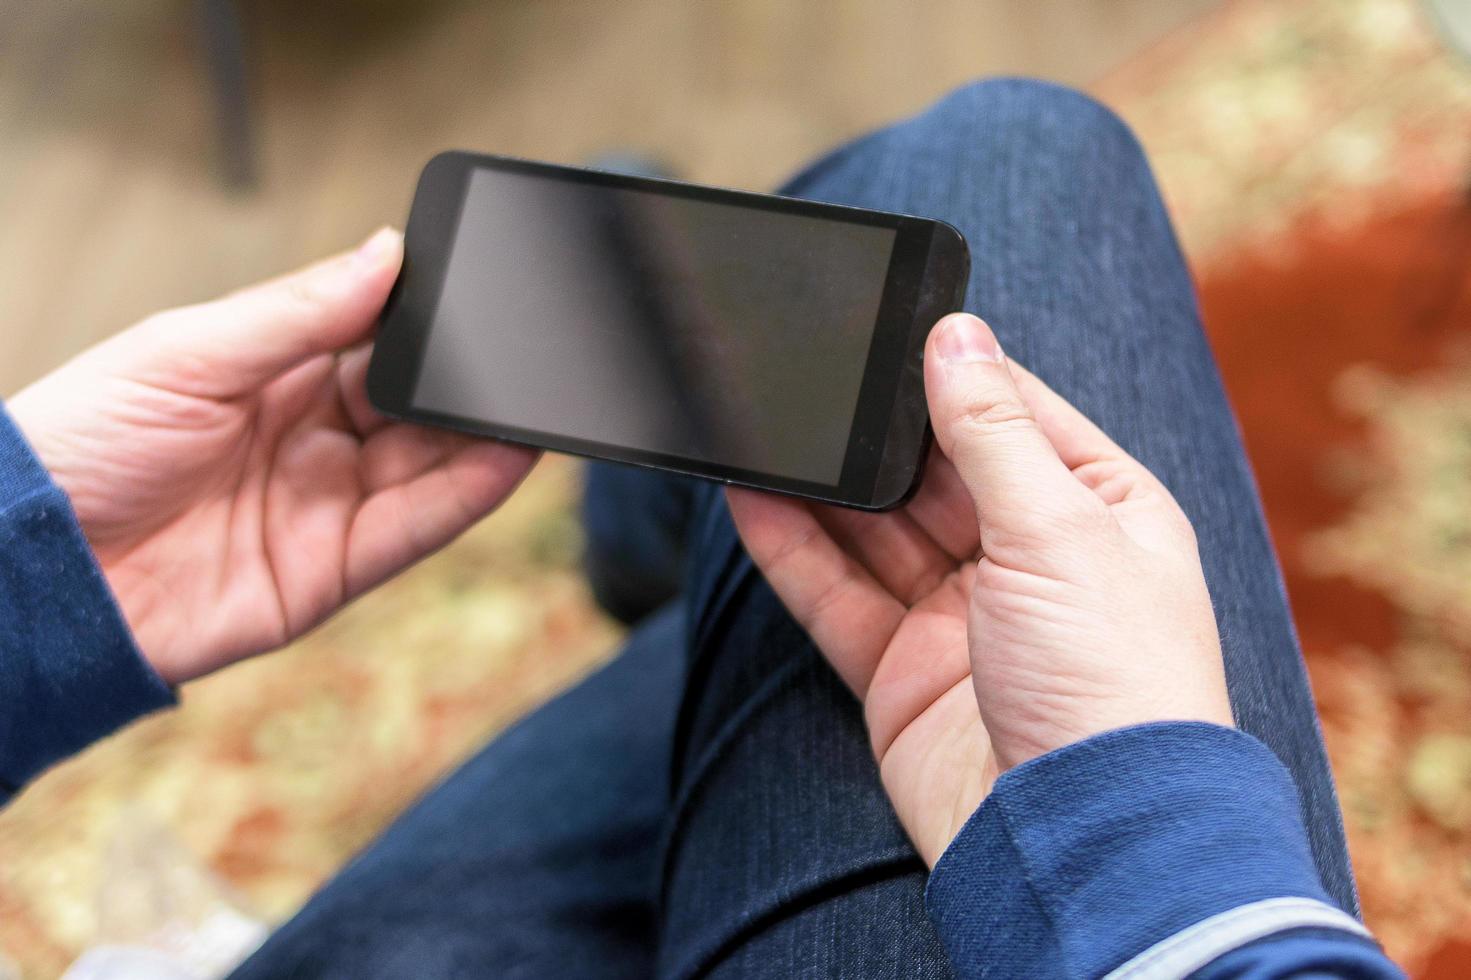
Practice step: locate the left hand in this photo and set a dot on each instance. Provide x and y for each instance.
(230, 475)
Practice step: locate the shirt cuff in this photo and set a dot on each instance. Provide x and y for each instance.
(1083, 859)
(70, 671)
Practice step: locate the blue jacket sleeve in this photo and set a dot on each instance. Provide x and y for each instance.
(70, 672)
(1158, 851)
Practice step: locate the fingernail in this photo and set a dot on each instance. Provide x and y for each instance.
(378, 248)
(965, 338)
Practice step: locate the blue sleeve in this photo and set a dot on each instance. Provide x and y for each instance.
(70, 672)
(1157, 851)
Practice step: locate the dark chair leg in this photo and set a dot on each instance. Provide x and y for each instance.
(224, 45)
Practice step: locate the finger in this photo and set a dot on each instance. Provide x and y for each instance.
(943, 508)
(892, 547)
(401, 524)
(399, 452)
(1076, 438)
(352, 384)
(1015, 477)
(846, 612)
(235, 344)
(1095, 460)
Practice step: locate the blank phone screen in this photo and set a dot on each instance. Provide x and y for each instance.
(669, 324)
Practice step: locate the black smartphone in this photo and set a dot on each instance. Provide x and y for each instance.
(746, 338)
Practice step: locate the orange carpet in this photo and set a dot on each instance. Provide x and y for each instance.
(1327, 216)
(1349, 359)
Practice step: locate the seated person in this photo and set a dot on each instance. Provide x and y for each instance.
(1048, 719)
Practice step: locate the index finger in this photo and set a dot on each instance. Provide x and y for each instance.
(1077, 439)
(841, 606)
(235, 344)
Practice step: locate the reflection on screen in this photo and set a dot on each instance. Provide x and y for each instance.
(706, 331)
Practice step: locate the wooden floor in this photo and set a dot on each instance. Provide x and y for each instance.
(110, 198)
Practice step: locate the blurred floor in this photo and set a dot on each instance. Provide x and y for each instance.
(1317, 156)
(113, 209)
(1295, 139)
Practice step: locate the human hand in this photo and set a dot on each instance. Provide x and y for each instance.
(230, 475)
(1041, 587)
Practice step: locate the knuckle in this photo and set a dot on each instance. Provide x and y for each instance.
(992, 416)
(1050, 526)
(164, 321)
(789, 550)
(1168, 512)
(1082, 514)
(1180, 525)
(304, 292)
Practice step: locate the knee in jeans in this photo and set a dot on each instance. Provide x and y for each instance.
(1034, 112)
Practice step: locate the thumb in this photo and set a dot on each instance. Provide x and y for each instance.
(241, 341)
(985, 427)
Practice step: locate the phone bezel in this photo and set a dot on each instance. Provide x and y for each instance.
(890, 432)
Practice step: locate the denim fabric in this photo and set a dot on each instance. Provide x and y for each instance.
(779, 854)
(536, 859)
(636, 523)
(1075, 266)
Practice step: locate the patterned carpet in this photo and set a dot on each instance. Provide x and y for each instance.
(1328, 219)
(1314, 153)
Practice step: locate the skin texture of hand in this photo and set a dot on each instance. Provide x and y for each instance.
(230, 475)
(1040, 588)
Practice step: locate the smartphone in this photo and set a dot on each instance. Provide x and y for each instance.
(746, 338)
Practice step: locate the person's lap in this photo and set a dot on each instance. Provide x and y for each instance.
(780, 854)
(534, 859)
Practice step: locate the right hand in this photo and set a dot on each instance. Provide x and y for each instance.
(1042, 587)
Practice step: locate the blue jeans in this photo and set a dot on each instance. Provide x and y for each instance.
(707, 803)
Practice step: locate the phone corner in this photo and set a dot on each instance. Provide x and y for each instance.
(444, 160)
(894, 490)
(378, 387)
(951, 237)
